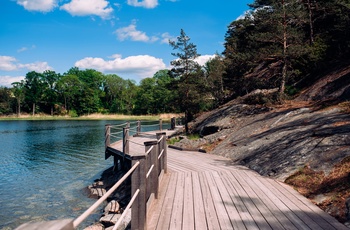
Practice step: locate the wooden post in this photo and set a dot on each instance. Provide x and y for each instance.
(173, 123)
(153, 179)
(125, 141)
(139, 208)
(138, 127)
(160, 124)
(163, 146)
(126, 144)
(107, 135)
(107, 139)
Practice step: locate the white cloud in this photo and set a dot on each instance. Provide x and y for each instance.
(201, 60)
(8, 63)
(100, 8)
(130, 32)
(38, 5)
(36, 66)
(166, 37)
(25, 49)
(140, 66)
(8, 80)
(144, 3)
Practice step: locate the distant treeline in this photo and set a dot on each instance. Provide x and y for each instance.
(285, 44)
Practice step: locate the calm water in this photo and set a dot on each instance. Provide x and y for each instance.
(44, 167)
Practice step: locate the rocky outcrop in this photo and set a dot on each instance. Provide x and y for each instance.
(278, 141)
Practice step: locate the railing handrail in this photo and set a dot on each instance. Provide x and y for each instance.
(83, 216)
(126, 210)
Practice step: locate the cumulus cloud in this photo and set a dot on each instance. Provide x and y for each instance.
(166, 37)
(8, 63)
(130, 32)
(99, 8)
(38, 5)
(8, 80)
(140, 66)
(36, 66)
(144, 3)
(201, 60)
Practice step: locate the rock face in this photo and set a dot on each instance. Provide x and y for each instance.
(278, 141)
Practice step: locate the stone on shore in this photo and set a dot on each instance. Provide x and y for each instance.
(112, 207)
(96, 226)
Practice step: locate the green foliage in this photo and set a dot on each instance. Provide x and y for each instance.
(173, 140)
(284, 42)
(73, 113)
(193, 137)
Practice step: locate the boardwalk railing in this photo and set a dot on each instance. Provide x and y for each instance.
(145, 172)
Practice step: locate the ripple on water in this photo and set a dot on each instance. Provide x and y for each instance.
(44, 167)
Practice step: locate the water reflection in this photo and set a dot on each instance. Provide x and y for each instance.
(44, 165)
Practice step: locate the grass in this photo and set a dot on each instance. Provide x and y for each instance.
(193, 137)
(335, 186)
(173, 140)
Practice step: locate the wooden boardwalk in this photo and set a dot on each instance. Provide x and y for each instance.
(204, 191)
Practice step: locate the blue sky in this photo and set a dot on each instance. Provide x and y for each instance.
(125, 37)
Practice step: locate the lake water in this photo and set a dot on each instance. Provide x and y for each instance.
(44, 167)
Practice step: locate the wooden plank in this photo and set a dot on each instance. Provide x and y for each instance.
(297, 216)
(232, 212)
(155, 211)
(265, 195)
(167, 206)
(188, 213)
(199, 211)
(176, 216)
(292, 202)
(266, 188)
(224, 219)
(249, 203)
(210, 213)
(233, 186)
(320, 217)
(267, 219)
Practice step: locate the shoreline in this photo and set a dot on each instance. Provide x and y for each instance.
(95, 116)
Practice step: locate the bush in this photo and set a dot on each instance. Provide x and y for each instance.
(73, 113)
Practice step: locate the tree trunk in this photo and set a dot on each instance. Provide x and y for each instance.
(18, 108)
(33, 109)
(310, 22)
(186, 122)
(284, 68)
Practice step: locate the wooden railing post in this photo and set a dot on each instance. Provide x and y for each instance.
(107, 140)
(160, 124)
(152, 179)
(126, 144)
(138, 181)
(125, 141)
(138, 130)
(163, 147)
(107, 135)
